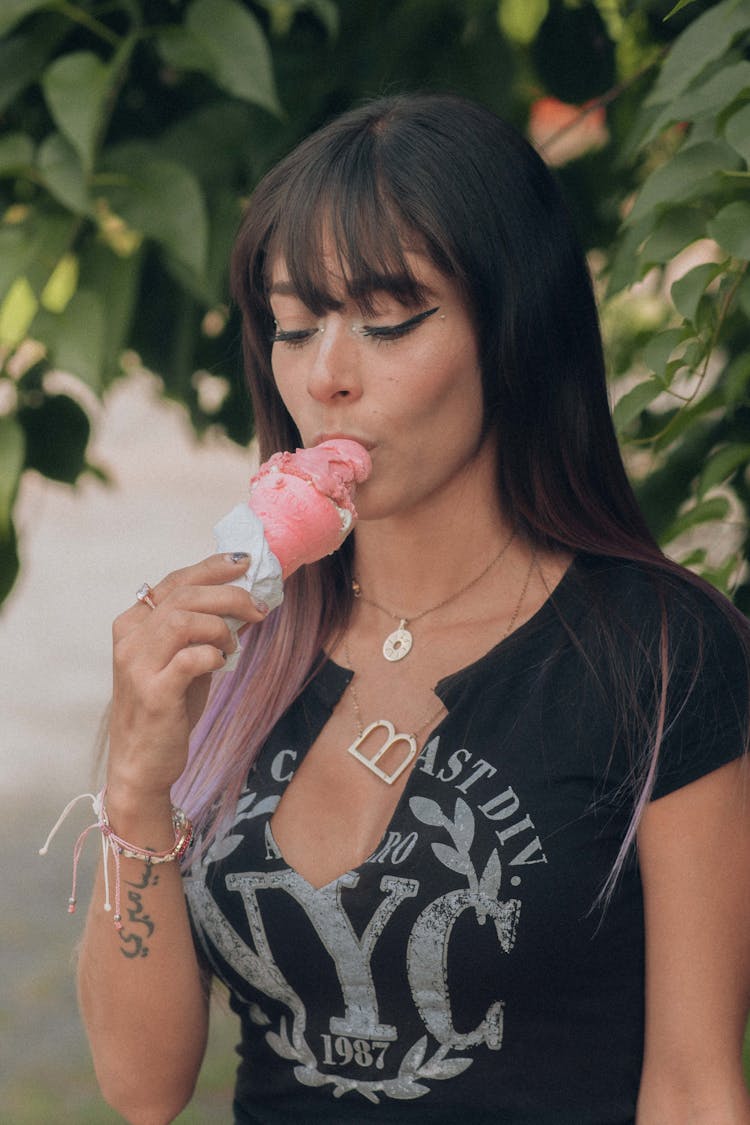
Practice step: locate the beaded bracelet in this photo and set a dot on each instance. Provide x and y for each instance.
(111, 842)
(183, 834)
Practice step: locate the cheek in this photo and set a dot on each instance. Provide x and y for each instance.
(450, 380)
(286, 384)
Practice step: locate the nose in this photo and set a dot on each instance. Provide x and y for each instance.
(335, 369)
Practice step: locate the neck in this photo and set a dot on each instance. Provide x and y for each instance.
(422, 556)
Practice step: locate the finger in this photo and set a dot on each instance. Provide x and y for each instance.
(144, 652)
(216, 570)
(225, 601)
(212, 571)
(188, 665)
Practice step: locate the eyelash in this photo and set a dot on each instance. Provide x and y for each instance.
(382, 334)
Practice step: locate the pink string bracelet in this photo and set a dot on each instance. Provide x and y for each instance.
(111, 842)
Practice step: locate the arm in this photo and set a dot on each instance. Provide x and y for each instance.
(694, 850)
(143, 996)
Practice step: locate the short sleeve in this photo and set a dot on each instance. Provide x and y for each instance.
(707, 695)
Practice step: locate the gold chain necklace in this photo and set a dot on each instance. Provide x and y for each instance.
(398, 643)
(392, 736)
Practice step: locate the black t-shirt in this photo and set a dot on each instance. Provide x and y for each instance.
(466, 968)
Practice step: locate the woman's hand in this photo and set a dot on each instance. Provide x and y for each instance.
(163, 660)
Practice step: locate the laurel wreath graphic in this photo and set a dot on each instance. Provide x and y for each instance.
(405, 1085)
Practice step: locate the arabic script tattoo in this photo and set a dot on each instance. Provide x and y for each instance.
(138, 926)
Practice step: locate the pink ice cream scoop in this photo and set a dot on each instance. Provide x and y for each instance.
(305, 499)
(300, 508)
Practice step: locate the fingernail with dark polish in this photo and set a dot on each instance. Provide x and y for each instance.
(239, 556)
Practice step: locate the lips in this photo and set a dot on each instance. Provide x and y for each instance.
(339, 436)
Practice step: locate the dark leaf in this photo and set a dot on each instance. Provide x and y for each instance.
(75, 87)
(731, 229)
(674, 230)
(690, 172)
(687, 292)
(16, 153)
(160, 198)
(705, 39)
(62, 173)
(57, 433)
(13, 11)
(9, 562)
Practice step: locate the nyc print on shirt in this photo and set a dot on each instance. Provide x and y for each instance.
(357, 1047)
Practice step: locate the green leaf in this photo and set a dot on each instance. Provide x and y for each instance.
(12, 449)
(659, 348)
(737, 132)
(678, 8)
(693, 558)
(240, 61)
(722, 577)
(634, 401)
(62, 284)
(326, 11)
(32, 249)
(50, 239)
(116, 280)
(76, 337)
(9, 563)
(686, 423)
(15, 249)
(743, 295)
(627, 265)
(688, 290)
(13, 11)
(674, 230)
(57, 433)
(180, 49)
(22, 59)
(702, 41)
(75, 87)
(704, 100)
(706, 511)
(520, 20)
(213, 142)
(722, 465)
(61, 170)
(17, 312)
(160, 198)
(16, 153)
(685, 176)
(731, 229)
(735, 380)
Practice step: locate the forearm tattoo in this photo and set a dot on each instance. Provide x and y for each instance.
(138, 926)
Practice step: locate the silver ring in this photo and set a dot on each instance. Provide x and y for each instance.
(146, 595)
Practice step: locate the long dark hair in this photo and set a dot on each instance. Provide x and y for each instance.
(483, 206)
(446, 177)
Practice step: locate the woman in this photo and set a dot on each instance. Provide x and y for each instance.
(545, 917)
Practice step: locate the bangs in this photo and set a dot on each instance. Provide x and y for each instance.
(341, 230)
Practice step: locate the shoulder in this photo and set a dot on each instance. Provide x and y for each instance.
(641, 598)
(674, 656)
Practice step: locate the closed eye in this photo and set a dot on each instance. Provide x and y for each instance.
(295, 337)
(395, 331)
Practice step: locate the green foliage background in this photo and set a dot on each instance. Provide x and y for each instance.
(132, 131)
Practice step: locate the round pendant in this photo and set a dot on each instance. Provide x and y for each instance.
(398, 644)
